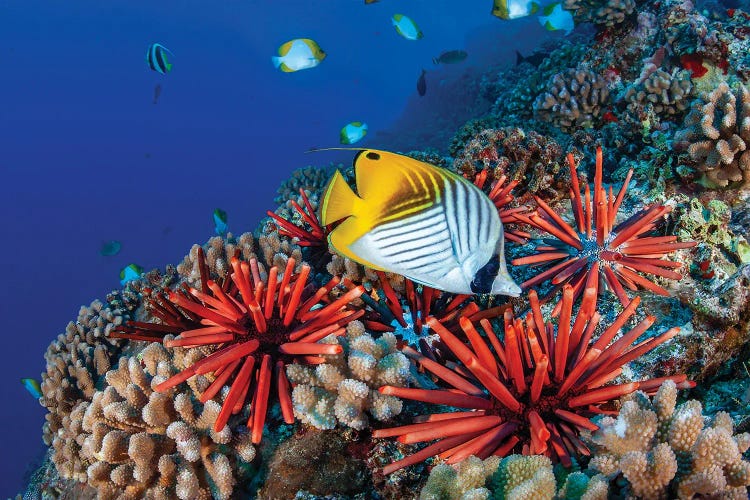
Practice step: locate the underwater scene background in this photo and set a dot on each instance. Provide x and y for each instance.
(142, 144)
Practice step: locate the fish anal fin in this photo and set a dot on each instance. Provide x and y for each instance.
(344, 236)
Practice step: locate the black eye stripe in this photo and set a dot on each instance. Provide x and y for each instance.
(372, 156)
(482, 282)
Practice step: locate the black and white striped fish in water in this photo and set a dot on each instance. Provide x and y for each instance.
(156, 58)
(420, 221)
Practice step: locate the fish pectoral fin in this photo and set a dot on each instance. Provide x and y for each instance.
(344, 236)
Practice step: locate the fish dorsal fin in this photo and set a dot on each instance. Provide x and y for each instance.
(379, 174)
(549, 9)
(339, 200)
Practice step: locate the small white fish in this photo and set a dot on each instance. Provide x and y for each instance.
(298, 54)
(513, 9)
(556, 18)
(406, 27)
(353, 132)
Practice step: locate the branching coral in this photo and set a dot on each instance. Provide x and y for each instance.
(345, 387)
(717, 136)
(538, 387)
(596, 244)
(142, 443)
(216, 253)
(573, 99)
(667, 451)
(312, 180)
(76, 361)
(608, 13)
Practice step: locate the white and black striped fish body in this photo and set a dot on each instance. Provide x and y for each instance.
(447, 236)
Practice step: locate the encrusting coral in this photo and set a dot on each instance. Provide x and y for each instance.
(537, 390)
(141, 443)
(345, 387)
(667, 451)
(573, 99)
(717, 136)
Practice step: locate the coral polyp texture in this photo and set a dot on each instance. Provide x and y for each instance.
(717, 136)
(604, 13)
(574, 99)
(345, 388)
(537, 390)
(308, 231)
(667, 451)
(597, 245)
(256, 326)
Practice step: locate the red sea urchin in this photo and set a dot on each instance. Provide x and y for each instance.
(596, 245)
(316, 236)
(537, 389)
(254, 322)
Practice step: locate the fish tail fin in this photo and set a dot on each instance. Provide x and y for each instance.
(339, 200)
(276, 61)
(519, 58)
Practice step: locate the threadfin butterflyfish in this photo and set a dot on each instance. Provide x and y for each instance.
(129, 273)
(353, 132)
(156, 57)
(298, 54)
(555, 18)
(32, 385)
(406, 27)
(423, 222)
(513, 9)
(220, 222)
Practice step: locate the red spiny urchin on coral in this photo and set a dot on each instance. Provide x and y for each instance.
(534, 393)
(597, 245)
(500, 194)
(257, 324)
(316, 236)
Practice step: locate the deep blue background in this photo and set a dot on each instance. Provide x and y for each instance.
(77, 122)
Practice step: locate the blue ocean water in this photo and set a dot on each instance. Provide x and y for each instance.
(87, 157)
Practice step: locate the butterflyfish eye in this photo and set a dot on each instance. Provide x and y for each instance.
(372, 156)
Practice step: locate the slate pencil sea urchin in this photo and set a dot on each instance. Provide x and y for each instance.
(531, 393)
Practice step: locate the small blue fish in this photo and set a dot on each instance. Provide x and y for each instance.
(110, 248)
(353, 132)
(156, 57)
(406, 27)
(556, 18)
(32, 385)
(220, 222)
(129, 273)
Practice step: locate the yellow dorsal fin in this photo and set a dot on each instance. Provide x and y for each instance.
(339, 201)
(380, 174)
(285, 48)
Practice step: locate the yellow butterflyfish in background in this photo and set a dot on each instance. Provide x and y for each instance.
(423, 222)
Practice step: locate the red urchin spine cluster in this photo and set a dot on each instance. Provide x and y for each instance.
(532, 392)
(596, 245)
(501, 196)
(256, 324)
(316, 236)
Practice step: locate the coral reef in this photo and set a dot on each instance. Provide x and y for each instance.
(609, 13)
(529, 159)
(664, 450)
(573, 99)
(717, 135)
(344, 388)
(543, 384)
(667, 94)
(141, 443)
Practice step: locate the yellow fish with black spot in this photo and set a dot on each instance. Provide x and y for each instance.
(298, 54)
(420, 221)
